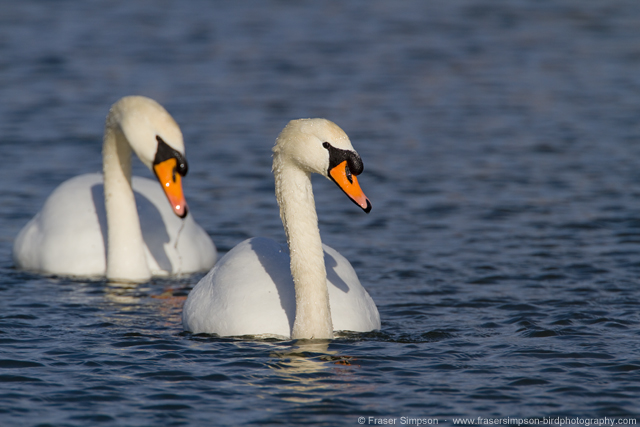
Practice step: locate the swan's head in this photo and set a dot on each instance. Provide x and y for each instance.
(156, 139)
(320, 146)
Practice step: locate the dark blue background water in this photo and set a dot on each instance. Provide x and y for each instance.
(501, 143)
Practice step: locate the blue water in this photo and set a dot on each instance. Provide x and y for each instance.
(501, 144)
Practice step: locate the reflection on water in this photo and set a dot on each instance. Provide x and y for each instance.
(304, 370)
(132, 297)
(300, 372)
(501, 145)
(126, 294)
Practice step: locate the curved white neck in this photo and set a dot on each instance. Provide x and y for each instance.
(298, 213)
(126, 259)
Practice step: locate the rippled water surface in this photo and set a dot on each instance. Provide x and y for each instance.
(501, 144)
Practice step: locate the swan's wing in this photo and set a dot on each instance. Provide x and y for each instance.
(248, 292)
(66, 236)
(352, 308)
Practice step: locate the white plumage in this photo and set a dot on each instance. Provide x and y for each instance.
(257, 288)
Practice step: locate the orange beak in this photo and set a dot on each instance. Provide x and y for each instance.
(349, 184)
(171, 182)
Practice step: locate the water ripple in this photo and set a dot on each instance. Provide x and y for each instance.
(501, 149)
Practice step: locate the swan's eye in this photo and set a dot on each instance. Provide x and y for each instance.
(337, 156)
(165, 152)
(182, 167)
(355, 164)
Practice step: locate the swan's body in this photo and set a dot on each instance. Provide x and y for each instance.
(134, 232)
(258, 288)
(265, 303)
(67, 236)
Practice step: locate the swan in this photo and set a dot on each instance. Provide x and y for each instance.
(305, 291)
(154, 238)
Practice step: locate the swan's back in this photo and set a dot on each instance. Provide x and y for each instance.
(67, 236)
(250, 291)
(239, 295)
(352, 308)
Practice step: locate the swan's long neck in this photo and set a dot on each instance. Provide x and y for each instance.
(126, 259)
(298, 214)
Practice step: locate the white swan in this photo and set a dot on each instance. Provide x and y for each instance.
(257, 288)
(67, 237)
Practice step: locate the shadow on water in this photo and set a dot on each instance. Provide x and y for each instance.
(154, 230)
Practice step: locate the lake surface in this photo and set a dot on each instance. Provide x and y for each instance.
(501, 145)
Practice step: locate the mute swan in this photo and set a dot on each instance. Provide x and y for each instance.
(258, 288)
(67, 237)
